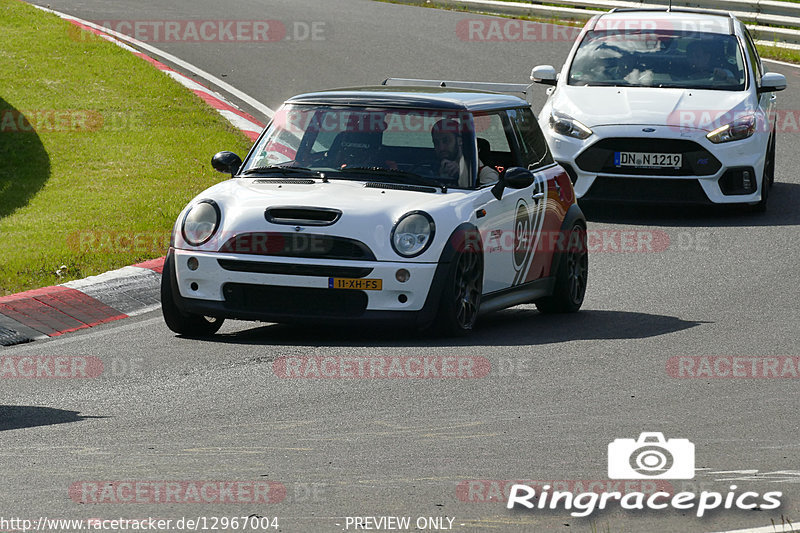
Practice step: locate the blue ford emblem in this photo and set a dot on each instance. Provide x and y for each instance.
(648, 130)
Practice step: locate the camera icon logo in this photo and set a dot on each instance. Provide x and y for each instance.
(651, 457)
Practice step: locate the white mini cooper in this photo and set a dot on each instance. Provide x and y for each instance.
(417, 206)
(663, 106)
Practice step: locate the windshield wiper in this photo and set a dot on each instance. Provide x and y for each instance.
(275, 169)
(398, 175)
(612, 84)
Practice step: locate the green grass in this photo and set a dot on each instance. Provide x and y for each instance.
(781, 54)
(545, 20)
(137, 148)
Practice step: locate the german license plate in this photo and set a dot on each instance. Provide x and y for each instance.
(357, 284)
(647, 160)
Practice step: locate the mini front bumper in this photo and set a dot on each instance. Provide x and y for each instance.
(249, 294)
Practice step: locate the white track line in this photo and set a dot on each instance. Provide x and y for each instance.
(230, 89)
(784, 63)
(777, 528)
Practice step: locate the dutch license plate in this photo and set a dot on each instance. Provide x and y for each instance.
(647, 160)
(358, 284)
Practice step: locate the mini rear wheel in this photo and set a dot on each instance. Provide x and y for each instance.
(571, 276)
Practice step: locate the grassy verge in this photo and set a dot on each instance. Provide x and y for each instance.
(99, 151)
(788, 55)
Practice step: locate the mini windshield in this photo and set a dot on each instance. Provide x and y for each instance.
(378, 144)
(659, 58)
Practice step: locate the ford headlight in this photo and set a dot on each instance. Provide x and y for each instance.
(201, 222)
(412, 234)
(741, 128)
(566, 125)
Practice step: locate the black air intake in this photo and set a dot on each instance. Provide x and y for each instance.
(302, 216)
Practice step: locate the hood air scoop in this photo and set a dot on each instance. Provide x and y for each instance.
(302, 216)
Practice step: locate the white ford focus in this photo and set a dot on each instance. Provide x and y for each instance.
(664, 106)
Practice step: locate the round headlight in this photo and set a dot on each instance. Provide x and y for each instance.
(412, 234)
(201, 222)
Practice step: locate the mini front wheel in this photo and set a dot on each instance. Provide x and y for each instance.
(182, 323)
(461, 297)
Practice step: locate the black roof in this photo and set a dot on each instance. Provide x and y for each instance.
(412, 97)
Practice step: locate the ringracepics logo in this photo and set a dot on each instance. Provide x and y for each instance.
(651, 457)
(648, 457)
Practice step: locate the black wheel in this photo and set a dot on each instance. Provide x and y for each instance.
(769, 176)
(178, 321)
(461, 296)
(571, 277)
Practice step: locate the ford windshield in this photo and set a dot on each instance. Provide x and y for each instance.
(640, 58)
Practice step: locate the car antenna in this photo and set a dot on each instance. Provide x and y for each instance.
(670, 6)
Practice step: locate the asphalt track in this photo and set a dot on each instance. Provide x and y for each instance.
(559, 391)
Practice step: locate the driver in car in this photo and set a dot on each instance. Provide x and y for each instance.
(704, 65)
(447, 144)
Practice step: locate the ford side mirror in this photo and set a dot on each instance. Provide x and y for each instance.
(772, 81)
(544, 74)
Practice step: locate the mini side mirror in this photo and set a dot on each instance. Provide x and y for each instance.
(226, 162)
(518, 178)
(513, 178)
